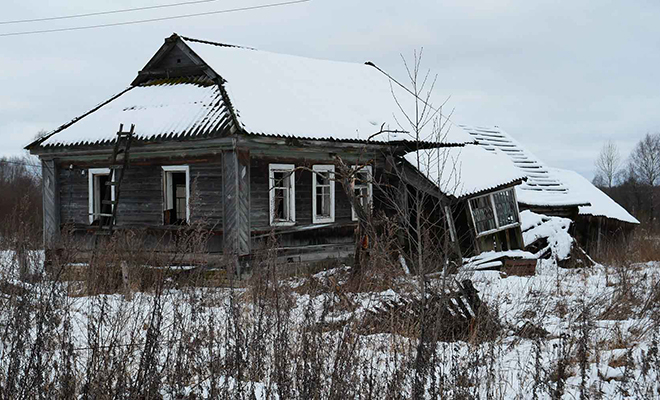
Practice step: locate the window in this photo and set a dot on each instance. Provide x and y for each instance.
(362, 188)
(176, 199)
(494, 211)
(100, 190)
(323, 193)
(505, 206)
(282, 194)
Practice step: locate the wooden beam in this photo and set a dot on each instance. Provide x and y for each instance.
(51, 203)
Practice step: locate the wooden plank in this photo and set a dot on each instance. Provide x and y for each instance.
(51, 203)
(236, 202)
(243, 202)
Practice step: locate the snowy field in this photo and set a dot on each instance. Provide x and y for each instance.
(298, 339)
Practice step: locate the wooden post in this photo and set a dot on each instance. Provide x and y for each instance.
(236, 204)
(128, 294)
(51, 203)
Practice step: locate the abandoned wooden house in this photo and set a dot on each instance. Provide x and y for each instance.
(556, 192)
(254, 145)
(249, 143)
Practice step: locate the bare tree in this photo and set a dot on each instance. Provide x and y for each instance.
(608, 163)
(645, 165)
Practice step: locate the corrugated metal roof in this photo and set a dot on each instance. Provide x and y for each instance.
(465, 171)
(160, 109)
(543, 187)
(602, 205)
(261, 92)
(290, 96)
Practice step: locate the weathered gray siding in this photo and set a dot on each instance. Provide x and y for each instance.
(176, 58)
(206, 193)
(74, 205)
(51, 203)
(141, 198)
(260, 195)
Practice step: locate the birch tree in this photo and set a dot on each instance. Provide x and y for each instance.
(645, 165)
(608, 163)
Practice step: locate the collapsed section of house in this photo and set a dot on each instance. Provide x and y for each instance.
(253, 146)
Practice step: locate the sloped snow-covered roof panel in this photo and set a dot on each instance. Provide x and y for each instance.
(543, 187)
(159, 110)
(602, 205)
(284, 95)
(465, 171)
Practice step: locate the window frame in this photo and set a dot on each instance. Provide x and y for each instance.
(94, 192)
(316, 219)
(370, 188)
(491, 200)
(272, 168)
(167, 173)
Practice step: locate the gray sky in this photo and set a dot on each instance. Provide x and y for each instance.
(562, 79)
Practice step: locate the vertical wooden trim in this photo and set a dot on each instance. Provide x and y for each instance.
(236, 201)
(51, 203)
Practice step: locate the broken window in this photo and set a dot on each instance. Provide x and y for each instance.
(494, 211)
(323, 193)
(482, 213)
(505, 206)
(176, 186)
(362, 189)
(100, 192)
(282, 194)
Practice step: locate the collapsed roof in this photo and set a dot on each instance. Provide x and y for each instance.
(465, 171)
(602, 205)
(261, 92)
(542, 188)
(549, 187)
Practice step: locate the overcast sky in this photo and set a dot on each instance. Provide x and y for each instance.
(561, 77)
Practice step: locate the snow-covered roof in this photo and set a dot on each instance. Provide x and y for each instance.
(271, 94)
(279, 94)
(602, 205)
(169, 108)
(465, 171)
(543, 187)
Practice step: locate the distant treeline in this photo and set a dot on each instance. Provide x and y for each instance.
(633, 182)
(20, 200)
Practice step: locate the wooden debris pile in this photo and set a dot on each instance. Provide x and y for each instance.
(456, 314)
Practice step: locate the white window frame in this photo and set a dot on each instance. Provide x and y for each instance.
(370, 188)
(168, 203)
(331, 180)
(272, 168)
(496, 217)
(94, 192)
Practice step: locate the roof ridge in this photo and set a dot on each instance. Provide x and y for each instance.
(216, 43)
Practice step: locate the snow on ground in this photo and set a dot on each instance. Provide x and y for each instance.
(619, 335)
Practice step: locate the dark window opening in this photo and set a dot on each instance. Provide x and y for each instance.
(102, 191)
(176, 198)
(281, 195)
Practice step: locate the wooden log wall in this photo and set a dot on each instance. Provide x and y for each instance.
(259, 193)
(74, 206)
(206, 194)
(141, 201)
